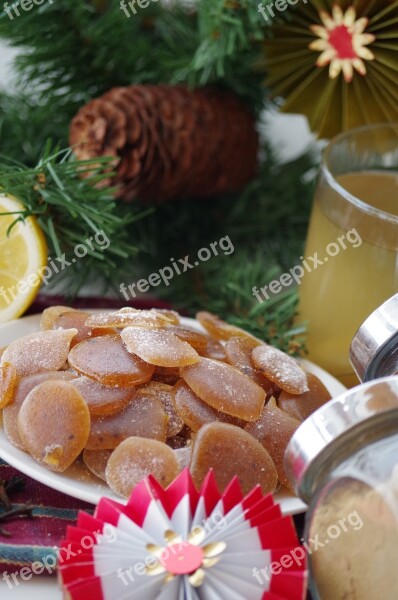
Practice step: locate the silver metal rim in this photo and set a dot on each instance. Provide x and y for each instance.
(337, 430)
(374, 349)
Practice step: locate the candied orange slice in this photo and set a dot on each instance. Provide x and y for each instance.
(239, 355)
(160, 348)
(50, 316)
(225, 388)
(61, 317)
(96, 461)
(22, 389)
(274, 430)
(77, 320)
(165, 394)
(129, 317)
(222, 330)
(230, 451)
(107, 360)
(168, 375)
(280, 368)
(103, 399)
(180, 440)
(194, 412)
(39, 352)
(8, 380)
(172, 315)
(143, 417)
(302, 406)
(61, 405)
(135, 459)
(183, 456)
(197, 340)
(214, 350)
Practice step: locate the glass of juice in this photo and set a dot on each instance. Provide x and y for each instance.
(351, 255)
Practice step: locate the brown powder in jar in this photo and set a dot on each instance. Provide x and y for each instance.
(359, 533)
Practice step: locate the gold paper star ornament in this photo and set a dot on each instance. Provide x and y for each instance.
(342, 42)
(336, 62)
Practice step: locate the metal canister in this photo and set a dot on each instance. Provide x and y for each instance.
(343, 462)
(374, 349)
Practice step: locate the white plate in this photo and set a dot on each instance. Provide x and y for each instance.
(77, 481)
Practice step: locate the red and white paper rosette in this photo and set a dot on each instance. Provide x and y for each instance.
(181, 544)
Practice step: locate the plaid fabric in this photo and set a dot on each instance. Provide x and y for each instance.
(35, 539)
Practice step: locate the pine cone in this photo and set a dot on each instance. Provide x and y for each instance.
(169, 142)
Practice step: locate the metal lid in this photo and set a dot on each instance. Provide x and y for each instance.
(374, 349)
(337, 430)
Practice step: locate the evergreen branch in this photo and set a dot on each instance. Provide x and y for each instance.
(25, 125)
(77, 50)
(267, 225)
(224, 286)
(71, 52)
(70, 210)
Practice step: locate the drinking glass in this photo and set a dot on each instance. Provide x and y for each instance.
(353, 232)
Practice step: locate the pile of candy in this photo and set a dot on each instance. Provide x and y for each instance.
(137, 392)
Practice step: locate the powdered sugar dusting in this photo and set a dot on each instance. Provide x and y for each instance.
(135, 459)
(281, 369)
(129, 318)
(159, 347)
(39, 352)
(225, 388)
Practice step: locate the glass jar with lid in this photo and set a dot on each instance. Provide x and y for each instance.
(374, 349)
(343, 462)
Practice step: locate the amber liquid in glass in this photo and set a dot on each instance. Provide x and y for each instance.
(338, 296)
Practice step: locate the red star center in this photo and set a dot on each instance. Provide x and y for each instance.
(182, 558)
(341, 40)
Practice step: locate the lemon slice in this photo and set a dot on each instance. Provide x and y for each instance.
(22, 256)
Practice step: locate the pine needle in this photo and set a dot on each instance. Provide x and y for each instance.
(71, 52)
(70, 210)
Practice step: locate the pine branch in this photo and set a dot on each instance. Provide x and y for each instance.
(230, 32)
(78, 50)
(70, 210)
(71, 52)
(224, 286)
(267, 225)
(25, 126)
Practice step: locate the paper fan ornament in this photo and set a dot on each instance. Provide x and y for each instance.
(336, 62)
(181, 544)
